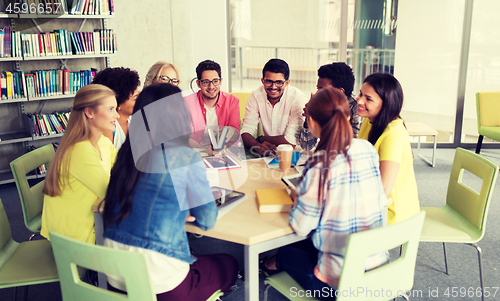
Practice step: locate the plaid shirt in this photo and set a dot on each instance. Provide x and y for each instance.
(354, 201)
(306, 139)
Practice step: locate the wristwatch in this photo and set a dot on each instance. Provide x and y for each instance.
(258, 139)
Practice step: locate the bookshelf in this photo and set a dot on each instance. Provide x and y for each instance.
(16, 135)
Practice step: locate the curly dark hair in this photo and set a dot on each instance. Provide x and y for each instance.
(340, 76)
(207, 65)
(121, 80)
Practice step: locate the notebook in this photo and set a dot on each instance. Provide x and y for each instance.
(273, 200)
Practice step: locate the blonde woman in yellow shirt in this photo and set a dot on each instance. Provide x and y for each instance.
(79, 173)
(379, 102)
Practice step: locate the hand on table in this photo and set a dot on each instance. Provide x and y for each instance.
(190, 218)
(293, 195)
(266, 148)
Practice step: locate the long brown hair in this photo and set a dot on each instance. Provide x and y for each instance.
(78, 130)
(330, 109)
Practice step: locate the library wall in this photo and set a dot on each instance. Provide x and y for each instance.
(180, 32)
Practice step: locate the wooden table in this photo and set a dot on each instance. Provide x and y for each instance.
(245, 225)
(420, 129)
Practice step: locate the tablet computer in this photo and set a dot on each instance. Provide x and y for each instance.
(224, 197)
(292, 181)
(220, 162)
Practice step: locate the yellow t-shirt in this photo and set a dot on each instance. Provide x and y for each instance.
(394, 145)
(71, 212)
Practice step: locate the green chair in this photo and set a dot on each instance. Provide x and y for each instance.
(488, 120)
(463, 218)
(132, 266)
(26, 263)
(31, 197)
(71, 254)
(395, 277)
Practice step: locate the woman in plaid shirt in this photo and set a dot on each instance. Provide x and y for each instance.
(341, 192)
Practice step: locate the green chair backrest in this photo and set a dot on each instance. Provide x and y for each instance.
(393, 278)
(5, 237)
(132, 266)
(488, 108)
(243, 97)
(471, 205)
(31, 197)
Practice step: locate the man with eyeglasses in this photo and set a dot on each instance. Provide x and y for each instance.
(210, 107)
(278, 105)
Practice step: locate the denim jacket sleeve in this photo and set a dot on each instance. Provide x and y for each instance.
(198, 189)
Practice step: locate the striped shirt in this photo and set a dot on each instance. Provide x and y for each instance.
(353, 201)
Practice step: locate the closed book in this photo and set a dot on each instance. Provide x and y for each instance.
(273, 200)
(9, 84)
(1, 42)
(3, 85)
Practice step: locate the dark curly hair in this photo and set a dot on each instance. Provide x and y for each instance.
(340, 76)
(207, 65)
(121, 80)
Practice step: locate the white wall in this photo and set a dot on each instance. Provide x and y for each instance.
(428, 44)
(181, 32)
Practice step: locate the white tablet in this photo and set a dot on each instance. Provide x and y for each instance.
(292, 181)
(220, 162)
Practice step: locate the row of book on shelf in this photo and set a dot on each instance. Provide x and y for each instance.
(58, 7)
(43, 83)
(47, 124)
(58, 42)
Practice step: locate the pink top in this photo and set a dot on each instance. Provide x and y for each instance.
(227, 109)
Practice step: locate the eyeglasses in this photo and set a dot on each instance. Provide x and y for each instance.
(278, 83)
(207, 82)
(169, 80)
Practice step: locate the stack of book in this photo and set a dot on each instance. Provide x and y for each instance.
(92, 7)
(12, 85)
(46, 83)
(10, 42)
(63, 42)
(58, 7)
(47, 124)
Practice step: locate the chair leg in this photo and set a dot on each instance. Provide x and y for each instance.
(266, 291)
(25, 289)
(479, 143)
(445, 261)
(479, 255)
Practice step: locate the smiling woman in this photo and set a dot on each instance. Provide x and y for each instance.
(380, 102)
(79, 173)
(125, 82)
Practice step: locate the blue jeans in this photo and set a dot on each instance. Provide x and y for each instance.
(299, 260)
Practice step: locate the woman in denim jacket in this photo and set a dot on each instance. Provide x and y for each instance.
(157, 184)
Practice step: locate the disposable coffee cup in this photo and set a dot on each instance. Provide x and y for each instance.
(284, 152)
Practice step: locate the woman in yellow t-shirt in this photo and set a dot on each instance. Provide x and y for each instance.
(379, 102)
(79, 173)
